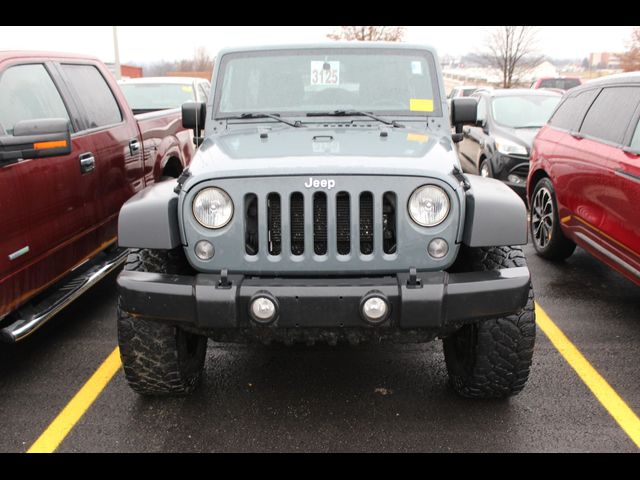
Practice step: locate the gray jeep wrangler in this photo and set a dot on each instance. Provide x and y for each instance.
(326, 204)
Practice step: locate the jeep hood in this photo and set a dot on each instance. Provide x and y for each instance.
(351, 150)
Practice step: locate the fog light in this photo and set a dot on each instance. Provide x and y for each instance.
(375, 309)
(438, 247)
(204, 250)
(514, 179)
(263, 309)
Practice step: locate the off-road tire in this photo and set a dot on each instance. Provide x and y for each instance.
(492, 358)
(159, 358)
(556, 247)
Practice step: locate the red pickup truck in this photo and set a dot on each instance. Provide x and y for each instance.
(71, 153)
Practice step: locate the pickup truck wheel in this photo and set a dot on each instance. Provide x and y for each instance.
(491, 358)
(159, 358)
(547, 236)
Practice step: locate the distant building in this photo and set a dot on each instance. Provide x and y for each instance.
(608, 60)
(205, 75)
(126, 71)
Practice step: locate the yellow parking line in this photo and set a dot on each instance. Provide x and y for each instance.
(610, 400)
(75, 409)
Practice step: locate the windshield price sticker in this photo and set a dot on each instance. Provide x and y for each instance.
(325, 73)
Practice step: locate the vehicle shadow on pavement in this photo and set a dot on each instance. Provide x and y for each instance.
(39, 375)
(321, 398)
(88, 319)
(582, 278)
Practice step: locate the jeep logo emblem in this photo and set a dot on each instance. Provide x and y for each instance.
(324, 183)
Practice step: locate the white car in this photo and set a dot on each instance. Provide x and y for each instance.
(148, 94)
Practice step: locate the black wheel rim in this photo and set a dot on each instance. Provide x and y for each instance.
(542, 217)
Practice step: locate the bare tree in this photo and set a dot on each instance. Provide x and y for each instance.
(201, 62)
(630, 60)
(512, 50)
(370, 33)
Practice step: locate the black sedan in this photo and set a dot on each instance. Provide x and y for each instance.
(499, 144)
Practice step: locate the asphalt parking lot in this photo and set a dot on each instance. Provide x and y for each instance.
(367, 398)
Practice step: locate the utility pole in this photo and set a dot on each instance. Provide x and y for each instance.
(116, 53)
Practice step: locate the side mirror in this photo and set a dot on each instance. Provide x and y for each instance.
(194, 115)
(464, 111)
(47, 137)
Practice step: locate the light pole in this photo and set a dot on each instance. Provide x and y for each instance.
(116, 53)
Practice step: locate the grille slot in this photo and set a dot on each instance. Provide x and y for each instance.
(389, 224)
(366, 223)
(251, 224)
(343, 223)
(320, 223)
(274, 224)
(297, 223)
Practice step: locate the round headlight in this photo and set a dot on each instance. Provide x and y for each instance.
(429, 205)
(212, 208)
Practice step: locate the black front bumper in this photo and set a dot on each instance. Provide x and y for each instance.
(433, 301)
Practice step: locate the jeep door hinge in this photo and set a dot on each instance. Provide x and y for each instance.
(181, 179)
(457, 173)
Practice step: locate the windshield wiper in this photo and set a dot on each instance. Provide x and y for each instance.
(529, 126)
(275, 116)
(353, 113)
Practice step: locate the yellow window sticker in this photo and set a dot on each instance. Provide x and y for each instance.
(187, 89)
(417, 137)
(421, 104)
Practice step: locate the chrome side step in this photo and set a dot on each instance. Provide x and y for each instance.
(32, 317)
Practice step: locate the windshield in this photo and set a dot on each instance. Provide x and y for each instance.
(523, 111)
(157, 96)
(561, 83)
(301, 81)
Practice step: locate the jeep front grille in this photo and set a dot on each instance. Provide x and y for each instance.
(282, 226)
(338, 225)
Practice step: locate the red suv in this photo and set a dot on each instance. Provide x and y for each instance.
(557, 83)
(584, 183)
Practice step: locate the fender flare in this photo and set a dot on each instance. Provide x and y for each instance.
(149, 219)
(494, 215)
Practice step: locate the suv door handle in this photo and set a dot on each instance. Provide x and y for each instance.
(87, 162)
(134, 146)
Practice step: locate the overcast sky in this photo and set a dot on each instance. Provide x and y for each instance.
(147, 44)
